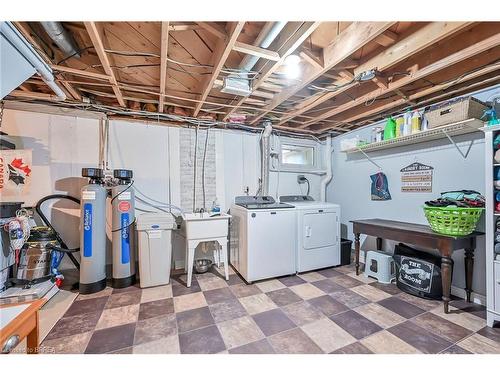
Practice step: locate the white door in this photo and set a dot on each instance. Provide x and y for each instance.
(319, 239)
(320, 229)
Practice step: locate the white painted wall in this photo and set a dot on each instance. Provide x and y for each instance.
(63, 144)
(350, 186)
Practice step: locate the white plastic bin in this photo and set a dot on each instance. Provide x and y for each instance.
(154, 233)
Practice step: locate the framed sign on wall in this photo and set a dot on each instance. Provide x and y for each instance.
(416, 178)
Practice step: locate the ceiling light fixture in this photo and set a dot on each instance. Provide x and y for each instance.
(367, 75)
(292, 66)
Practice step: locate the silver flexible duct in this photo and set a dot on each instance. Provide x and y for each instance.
(61, 37)
(264, 40)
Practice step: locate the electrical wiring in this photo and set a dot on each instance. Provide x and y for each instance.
(328, 89)
(74, 54)
(186, 121)
(148, 54)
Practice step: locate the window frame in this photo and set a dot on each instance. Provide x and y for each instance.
(298, 143)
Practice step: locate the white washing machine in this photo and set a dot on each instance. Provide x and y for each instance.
(263, 239)
(318, 232)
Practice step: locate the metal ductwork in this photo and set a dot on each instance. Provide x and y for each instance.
(61, 37)
(264, 40)
(18, 47)
(265, 157)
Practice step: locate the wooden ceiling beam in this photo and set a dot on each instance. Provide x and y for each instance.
(222, 50)
(466, 53)
(214, 29)
(81, 73)
(34, 95)
(96, 37)
(291, 45)
(414, 43)
(185, 27)
(422, 93)
(387, 38)
(400, 51)
(312, 59)
(349, 41)
(71, 90)
(256, 51)
(165, 27)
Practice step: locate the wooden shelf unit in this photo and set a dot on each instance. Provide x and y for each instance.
(456, 128)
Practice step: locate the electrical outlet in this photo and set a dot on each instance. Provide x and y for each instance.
(301, 179)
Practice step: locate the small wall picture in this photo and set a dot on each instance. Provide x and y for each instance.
(15, 173)
(416, 178)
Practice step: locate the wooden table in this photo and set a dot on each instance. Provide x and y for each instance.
(24, 324)
(422, 235)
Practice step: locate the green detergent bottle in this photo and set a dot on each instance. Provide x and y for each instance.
(390, 129)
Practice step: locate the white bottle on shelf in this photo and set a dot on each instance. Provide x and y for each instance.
(407, 126)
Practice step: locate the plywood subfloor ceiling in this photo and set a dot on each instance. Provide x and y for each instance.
(179, 67)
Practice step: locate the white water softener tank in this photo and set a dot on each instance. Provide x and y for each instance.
(154, 232)
(123, 208)
(93, 233)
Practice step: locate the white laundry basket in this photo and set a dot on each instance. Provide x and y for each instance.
(154, 233)
(381, 266)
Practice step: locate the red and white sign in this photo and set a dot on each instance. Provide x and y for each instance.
(124, 206)
(15, 173)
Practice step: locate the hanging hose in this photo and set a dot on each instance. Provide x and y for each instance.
(203, 171)
(194, 165)
(47, 223)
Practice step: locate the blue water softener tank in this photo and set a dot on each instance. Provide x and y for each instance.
(93, 232)
(124, 244)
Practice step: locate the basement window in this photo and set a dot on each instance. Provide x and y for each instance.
(297, 156)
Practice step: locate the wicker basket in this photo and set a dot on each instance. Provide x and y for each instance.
(453, 111)
(453, 221)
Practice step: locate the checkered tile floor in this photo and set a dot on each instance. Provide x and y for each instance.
(328, 311)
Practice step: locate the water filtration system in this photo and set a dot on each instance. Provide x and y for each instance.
(93, 232)
(123, 209)
(93, 236)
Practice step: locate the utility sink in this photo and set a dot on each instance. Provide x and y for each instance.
(205, 226)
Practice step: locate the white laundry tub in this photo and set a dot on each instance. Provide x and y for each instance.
(202, 226)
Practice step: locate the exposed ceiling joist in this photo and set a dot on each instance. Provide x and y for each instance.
(222, 50)
(316, 61)
(256, 51)
(34, 95)
(163, 64)
(423, 93)
(71, 90)
(349, 41)
(81, 73)
(452, 59)
(214, 29)
(291, 45)
(96, 37)
(403, 49)
(386, 38)
(414, 43)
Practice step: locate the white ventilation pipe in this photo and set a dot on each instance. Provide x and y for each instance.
(265, 156)
(264, 40)
(328, 176)
(15, 38)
